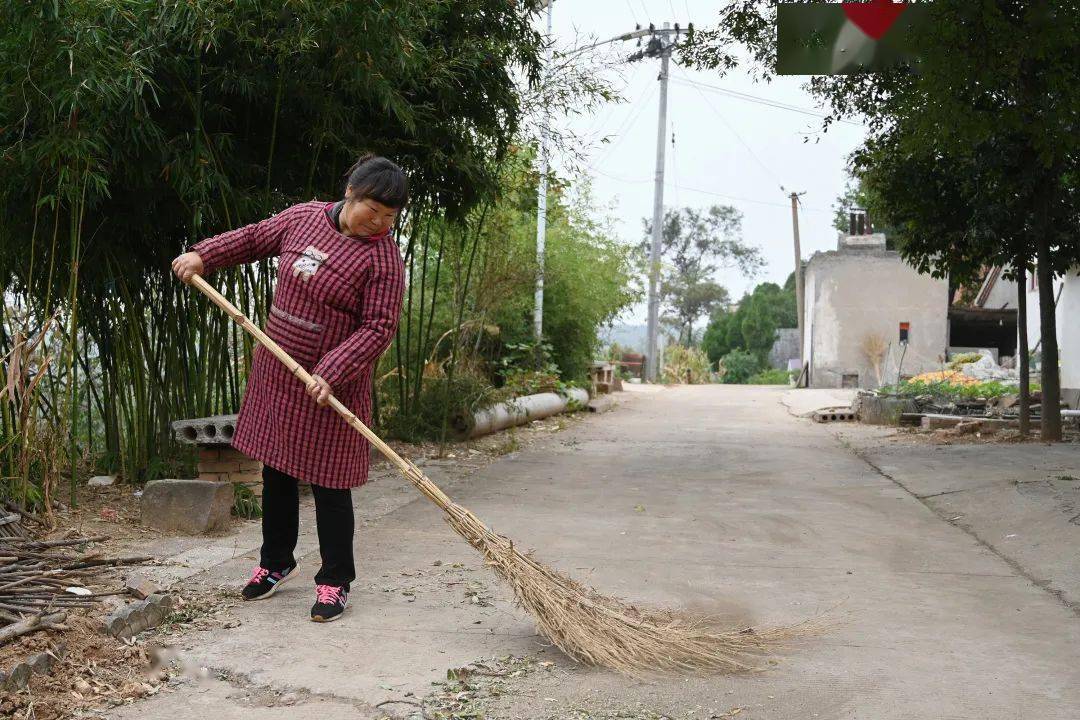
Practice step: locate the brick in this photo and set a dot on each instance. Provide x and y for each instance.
(221, 466)
(209, 455)
(233, 455)
(141, 586)
(251, 466)
(214, 477)
(250, 478)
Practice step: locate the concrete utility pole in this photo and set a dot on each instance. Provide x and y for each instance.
(661, 45)
(541, 203)
(798, 275)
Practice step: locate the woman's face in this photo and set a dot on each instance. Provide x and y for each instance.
(367, 216)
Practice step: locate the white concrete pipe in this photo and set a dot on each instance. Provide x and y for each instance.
(517, 412)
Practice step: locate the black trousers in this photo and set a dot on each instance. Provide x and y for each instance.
(281, 525)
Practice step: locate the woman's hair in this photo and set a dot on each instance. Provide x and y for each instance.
(379, 179)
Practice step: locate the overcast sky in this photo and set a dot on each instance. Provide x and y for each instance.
(727, 150)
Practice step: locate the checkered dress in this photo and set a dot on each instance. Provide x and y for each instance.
(335, 310)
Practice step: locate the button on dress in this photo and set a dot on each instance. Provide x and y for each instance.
(335, 311)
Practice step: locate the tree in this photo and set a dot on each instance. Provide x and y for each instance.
(752, 326)
(993, 77)
(694, 245)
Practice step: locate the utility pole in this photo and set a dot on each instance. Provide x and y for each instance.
(798, 277)
(661, 45)
(541, 202)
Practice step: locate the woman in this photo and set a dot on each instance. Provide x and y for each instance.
(335, 310)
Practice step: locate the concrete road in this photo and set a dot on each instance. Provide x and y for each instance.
(711, 498)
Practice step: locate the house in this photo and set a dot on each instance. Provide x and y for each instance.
(997, 293)
(870, 317)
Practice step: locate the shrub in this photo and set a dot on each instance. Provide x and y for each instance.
(681, 362)
(738, 366)
(770, 376)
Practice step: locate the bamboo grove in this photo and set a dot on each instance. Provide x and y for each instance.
(131, 128)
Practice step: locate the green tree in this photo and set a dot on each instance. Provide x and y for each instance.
(694, 245)
(752, 326)
(994, 77)
(129, 129)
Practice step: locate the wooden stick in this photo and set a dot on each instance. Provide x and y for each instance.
(31, 624)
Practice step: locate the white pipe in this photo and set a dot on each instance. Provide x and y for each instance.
(518, 412)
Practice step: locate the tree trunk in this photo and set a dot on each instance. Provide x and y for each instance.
(1051, 377)
(1022, 349)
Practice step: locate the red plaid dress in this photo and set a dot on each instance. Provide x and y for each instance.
(335, 310)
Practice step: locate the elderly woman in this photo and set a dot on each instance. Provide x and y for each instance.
(335, 310)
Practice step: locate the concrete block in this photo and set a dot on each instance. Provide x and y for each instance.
(137, 622)
(187, 506)
(214, 430)
(834, 415)
(161, 600)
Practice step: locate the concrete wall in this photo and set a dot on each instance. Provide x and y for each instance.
(851, 295)
(785, 347)
(1068, 327)
(1002, 295)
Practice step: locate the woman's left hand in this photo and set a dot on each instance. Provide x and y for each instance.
(320, 390)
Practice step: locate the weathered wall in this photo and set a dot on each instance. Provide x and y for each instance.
(785, 347)
(1068, 325)
(852, 295)
(1002, 295)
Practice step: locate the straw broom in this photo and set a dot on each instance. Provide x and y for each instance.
(584, 624)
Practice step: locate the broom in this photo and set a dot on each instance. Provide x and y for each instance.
(584, 624)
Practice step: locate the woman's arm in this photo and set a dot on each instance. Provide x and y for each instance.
(247, 244)
(381, 308)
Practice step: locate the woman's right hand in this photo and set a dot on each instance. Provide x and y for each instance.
(187, 265)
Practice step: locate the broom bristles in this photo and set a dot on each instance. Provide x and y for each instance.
(600, 630)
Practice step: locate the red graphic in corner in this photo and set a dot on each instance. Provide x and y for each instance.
(874, 18)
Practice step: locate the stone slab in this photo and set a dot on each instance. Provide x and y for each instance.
(187, 506)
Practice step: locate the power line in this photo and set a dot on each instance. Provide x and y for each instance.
(736, 134)
(762, 101)
(628, 123)
(633, 181)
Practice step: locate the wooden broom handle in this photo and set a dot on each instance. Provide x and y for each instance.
(407, 468)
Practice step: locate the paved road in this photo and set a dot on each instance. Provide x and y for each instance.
(713, 498)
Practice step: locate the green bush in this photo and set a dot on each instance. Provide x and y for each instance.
(738, 366)
(770, 376)
(954, 391)
(467, 393)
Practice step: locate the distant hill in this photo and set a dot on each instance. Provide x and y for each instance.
(631, 337)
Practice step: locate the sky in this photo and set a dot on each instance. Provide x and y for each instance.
(726, 150)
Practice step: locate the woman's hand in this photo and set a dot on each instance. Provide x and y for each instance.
(320, 390)
(187, 265)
